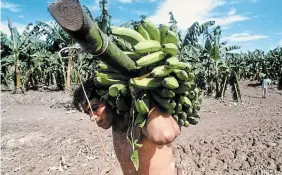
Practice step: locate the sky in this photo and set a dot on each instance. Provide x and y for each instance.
(251, 24)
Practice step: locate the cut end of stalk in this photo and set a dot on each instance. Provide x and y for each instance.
(68, 13)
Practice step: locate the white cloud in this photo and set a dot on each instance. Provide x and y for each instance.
(280, 43)
(10, 6)
(5, 29)
(232, 11)
(152, 0)
(238, 37)
(21, 16)
(187, 12)
(279, 33)
(125, 1)
(229, 19)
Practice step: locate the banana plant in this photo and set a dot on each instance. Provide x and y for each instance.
(14, 50)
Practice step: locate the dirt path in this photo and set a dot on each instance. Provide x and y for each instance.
(229, 139)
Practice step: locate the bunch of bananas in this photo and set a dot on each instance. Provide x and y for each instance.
(165, 82)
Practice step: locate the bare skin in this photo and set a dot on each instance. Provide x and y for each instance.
(155, 156)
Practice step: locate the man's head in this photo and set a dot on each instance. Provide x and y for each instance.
(101, 111)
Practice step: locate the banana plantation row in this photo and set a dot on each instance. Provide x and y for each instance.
(44, 56)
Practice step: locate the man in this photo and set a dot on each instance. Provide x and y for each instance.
(155, 156)
(265, 83)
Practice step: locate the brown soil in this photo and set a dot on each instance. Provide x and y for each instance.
(230, 138)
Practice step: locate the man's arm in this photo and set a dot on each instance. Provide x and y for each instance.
(161, 128)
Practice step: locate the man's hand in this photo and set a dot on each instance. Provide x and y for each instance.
(160, 128)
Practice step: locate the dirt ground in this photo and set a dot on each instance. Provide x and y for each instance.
(230, 138)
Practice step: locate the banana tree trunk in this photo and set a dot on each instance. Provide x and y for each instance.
(18, 76)
(73, 19)
(68, 78)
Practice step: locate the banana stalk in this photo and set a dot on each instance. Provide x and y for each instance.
(74, 20)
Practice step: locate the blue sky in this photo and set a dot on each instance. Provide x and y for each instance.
(249, 23)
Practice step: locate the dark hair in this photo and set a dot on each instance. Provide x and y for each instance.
(79, 99)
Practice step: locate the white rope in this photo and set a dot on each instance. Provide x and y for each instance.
(65, 48)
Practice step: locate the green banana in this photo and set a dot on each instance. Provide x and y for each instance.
(188, 111)
(124, 91)
(192, 95)
(112, 102)
(110, 75)
(175, 117)
(172, 62)
(146, 83)
(115, 89)
(160, 71)
(170, 48)
(152, 30)
(181, 74)
(183, 116)
(191, 76)
(183, 87)
(122, 45)
(151, 58)
(196, 106)
(140, 120)
(104, 98)
(165, 93)
(192, 120)
(101, 92)
(171, 111)
(133, 55)
(127, 34)
(170, 37)
(106, 82)
(143, 105)
(104, 67)
(142, 31)
(163, 29)
(147, 46)
(121, 104)
(163, 102)
(186, 124)
(184, 66)
(181, 122)
(185, 101)
(170, 83)
(178, 108)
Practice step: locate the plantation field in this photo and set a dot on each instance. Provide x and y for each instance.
(39, 136)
